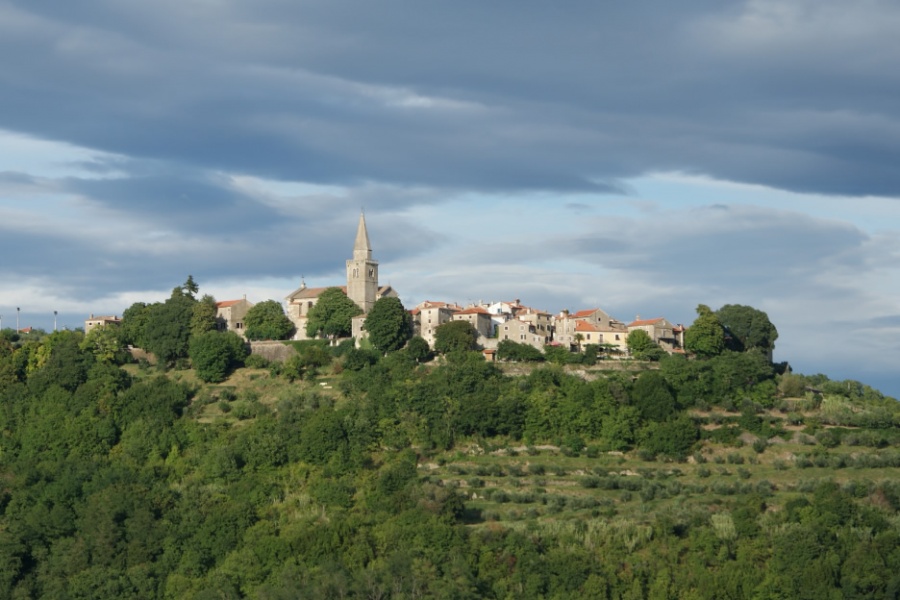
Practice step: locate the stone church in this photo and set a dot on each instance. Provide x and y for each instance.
(362, 287)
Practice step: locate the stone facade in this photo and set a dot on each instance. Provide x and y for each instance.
(591, 326)
(230, 315)
(479, 318)
(362, 270)
(93, 322)
(428, 316)
(669, 337)
(521, 332)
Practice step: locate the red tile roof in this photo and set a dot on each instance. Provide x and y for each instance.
(315, 292)
(585, 326)
(584, 313)
(646, 322)
(226, 303)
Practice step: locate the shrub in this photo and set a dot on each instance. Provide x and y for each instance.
(244, 410)
(590, 482)
(734, 458)
(256, 361)
(214, 355)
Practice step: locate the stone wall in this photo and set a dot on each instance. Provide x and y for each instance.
(272, 350)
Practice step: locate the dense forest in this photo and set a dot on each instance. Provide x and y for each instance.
(357, 473)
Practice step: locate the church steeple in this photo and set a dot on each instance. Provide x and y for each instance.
(362, 270)
(362, 250)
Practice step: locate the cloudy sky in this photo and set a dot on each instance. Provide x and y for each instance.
(644, 157)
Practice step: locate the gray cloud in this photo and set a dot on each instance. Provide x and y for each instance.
(473, 96)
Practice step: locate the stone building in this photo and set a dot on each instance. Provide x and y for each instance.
(230, 315)
(93, 322)
(479, 318)
(521, 332)
(428, 316)
(669, 337)
(591, 326)
(361, 287)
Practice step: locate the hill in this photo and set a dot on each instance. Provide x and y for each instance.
(345, 474)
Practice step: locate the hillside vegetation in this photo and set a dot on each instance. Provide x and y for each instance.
(346, 474)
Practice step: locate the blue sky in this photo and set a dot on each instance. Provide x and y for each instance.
(643, 158)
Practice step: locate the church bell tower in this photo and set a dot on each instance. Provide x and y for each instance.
(362, 270)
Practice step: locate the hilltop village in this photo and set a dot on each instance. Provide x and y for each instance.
(494, 321)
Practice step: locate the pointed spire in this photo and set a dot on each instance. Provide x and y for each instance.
(361, 249)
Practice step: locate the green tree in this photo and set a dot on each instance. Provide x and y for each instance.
(705, 337)
(389, 325)
(454, 336)
(267, 321)
(60, 361)
(214, 355)
(747, 328)
(190, 287)
(418, 349)
(7, 366)
(642, 347)
(560, 355)
(203, 318)
(514, 351)
(134, 324)
(168, 329)
(673, 438)
(331, 316)
(652, 396)
(105, 344)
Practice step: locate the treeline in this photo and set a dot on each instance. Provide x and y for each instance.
(112, 486)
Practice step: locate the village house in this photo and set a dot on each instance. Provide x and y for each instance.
(541, 321)
(93, 322)
(230, 315)
(479, 318)
(521, 332)
(572, 330)
(428, 316)
(669, 337)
